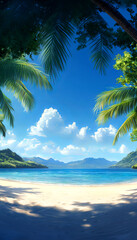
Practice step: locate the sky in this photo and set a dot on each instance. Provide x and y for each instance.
(62, 124)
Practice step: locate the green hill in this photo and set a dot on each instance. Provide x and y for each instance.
(127, 162)
(9, 159)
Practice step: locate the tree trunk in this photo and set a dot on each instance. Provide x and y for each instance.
(117, 16)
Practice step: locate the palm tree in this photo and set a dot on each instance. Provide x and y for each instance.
(60, 25)
(117, 102)
(12, 73)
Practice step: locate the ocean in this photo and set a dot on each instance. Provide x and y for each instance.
(71, 176)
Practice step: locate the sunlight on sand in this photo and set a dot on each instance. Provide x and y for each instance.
(48, 211)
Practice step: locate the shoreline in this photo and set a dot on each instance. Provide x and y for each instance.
(69, 184)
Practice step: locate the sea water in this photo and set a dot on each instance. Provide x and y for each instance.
(71, 176)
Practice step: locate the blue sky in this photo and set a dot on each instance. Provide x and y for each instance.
(62, 124)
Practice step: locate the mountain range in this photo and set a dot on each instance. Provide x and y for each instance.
(87, 163)
(9, 159)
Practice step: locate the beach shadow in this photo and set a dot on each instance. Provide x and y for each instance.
(14, 192)
(100, 222)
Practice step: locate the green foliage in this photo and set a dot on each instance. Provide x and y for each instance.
(2, 129)
(48, 27)
(12, 73)
(27, 27)
(100, 52)
(14, 69)
(57, 36)
(128, 161)
(134, 166)
(123, 100)
(133, 135)
(21, 93)
(128, 65)
(9, 159)
(6, 108)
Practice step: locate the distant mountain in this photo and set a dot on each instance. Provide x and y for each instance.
(50, 163)
(87, 163)
(127, 162)
(9, 159)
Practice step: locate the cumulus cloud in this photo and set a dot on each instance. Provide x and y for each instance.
(51, 123)
(104, 134)
(123, 149)
(29, 144)
(82, 132)
(71, 150)
(71, 128)
(50, 120)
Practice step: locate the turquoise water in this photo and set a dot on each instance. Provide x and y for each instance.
(69, 176)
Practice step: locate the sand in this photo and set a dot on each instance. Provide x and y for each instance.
(31, 211)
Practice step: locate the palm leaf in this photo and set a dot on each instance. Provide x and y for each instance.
(114, 95)
(13, 70)
(2, 129)
(131, 122)
(21, 93)
(55, 52)
(6, 108)
(117, 110)
(100, 52)
(1, 116)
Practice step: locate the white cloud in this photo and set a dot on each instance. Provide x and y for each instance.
(49, 148)
(71, 150)
(10, 134)
(123, 149)
(51, 124)
(7, 143)
(104, 134)
(71, 128)
(29, 144)
(50, 120)
(9, 140)
(82, 132)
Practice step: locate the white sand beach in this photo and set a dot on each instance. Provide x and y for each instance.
(31, 211)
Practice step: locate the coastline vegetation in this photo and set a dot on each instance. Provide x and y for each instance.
(127, 162)
(134, 166)
(122, 100)
(9, 159)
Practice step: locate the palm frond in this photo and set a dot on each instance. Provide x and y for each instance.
(55, 52)
(21, 93)
(6, 108)
(13, 70)
(131, 122)
(100, 52)
(114, 95)
(117, 110)
(2, 129)
(1, 115)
